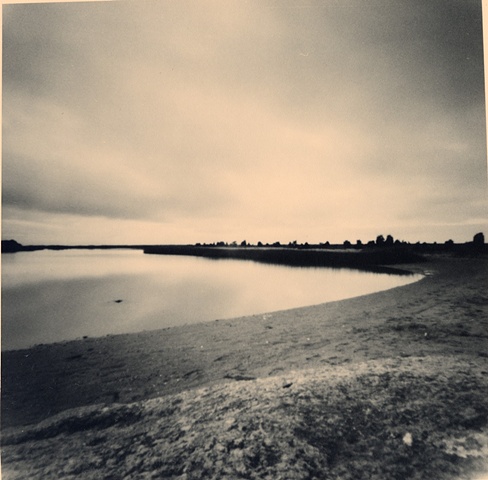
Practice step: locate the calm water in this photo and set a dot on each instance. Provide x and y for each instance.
(48, 296)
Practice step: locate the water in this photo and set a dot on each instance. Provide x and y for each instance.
(50, 296)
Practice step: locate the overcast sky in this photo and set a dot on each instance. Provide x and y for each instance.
(198, 121)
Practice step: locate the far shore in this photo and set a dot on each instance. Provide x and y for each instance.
(412, 330)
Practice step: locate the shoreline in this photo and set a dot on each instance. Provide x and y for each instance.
(172, 359)
(48, 364)
(439, 320)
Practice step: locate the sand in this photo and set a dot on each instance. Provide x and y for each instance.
(388, 385)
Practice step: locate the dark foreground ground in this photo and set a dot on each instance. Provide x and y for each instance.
(392, 385)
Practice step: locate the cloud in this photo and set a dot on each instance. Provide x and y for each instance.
(307, 119)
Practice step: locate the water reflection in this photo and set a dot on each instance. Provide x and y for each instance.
(50, 296)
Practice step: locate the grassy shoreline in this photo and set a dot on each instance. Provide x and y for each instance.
(432, 332)
(371, 259)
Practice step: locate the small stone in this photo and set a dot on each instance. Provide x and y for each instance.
(230, 423)
(220, 448)
(407, 439)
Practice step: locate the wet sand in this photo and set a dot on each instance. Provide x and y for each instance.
(267, 396)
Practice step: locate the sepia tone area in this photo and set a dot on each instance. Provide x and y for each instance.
(388, 385)
(256, 136)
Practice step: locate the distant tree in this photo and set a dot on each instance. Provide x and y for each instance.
(359, 243)
(233, 244)
(260, 244)
(479, 239)
(11, 246)
(243, 243)
(347, 243)
(277, 244)
(389, 241)
(449, 242)
(380, 240)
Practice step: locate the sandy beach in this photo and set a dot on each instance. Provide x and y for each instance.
(388, 385)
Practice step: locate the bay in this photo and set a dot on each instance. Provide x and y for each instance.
(50, 296)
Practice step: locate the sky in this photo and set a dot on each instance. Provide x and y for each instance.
(163, 121)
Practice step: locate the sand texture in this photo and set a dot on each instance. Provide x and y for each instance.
(392, 385)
